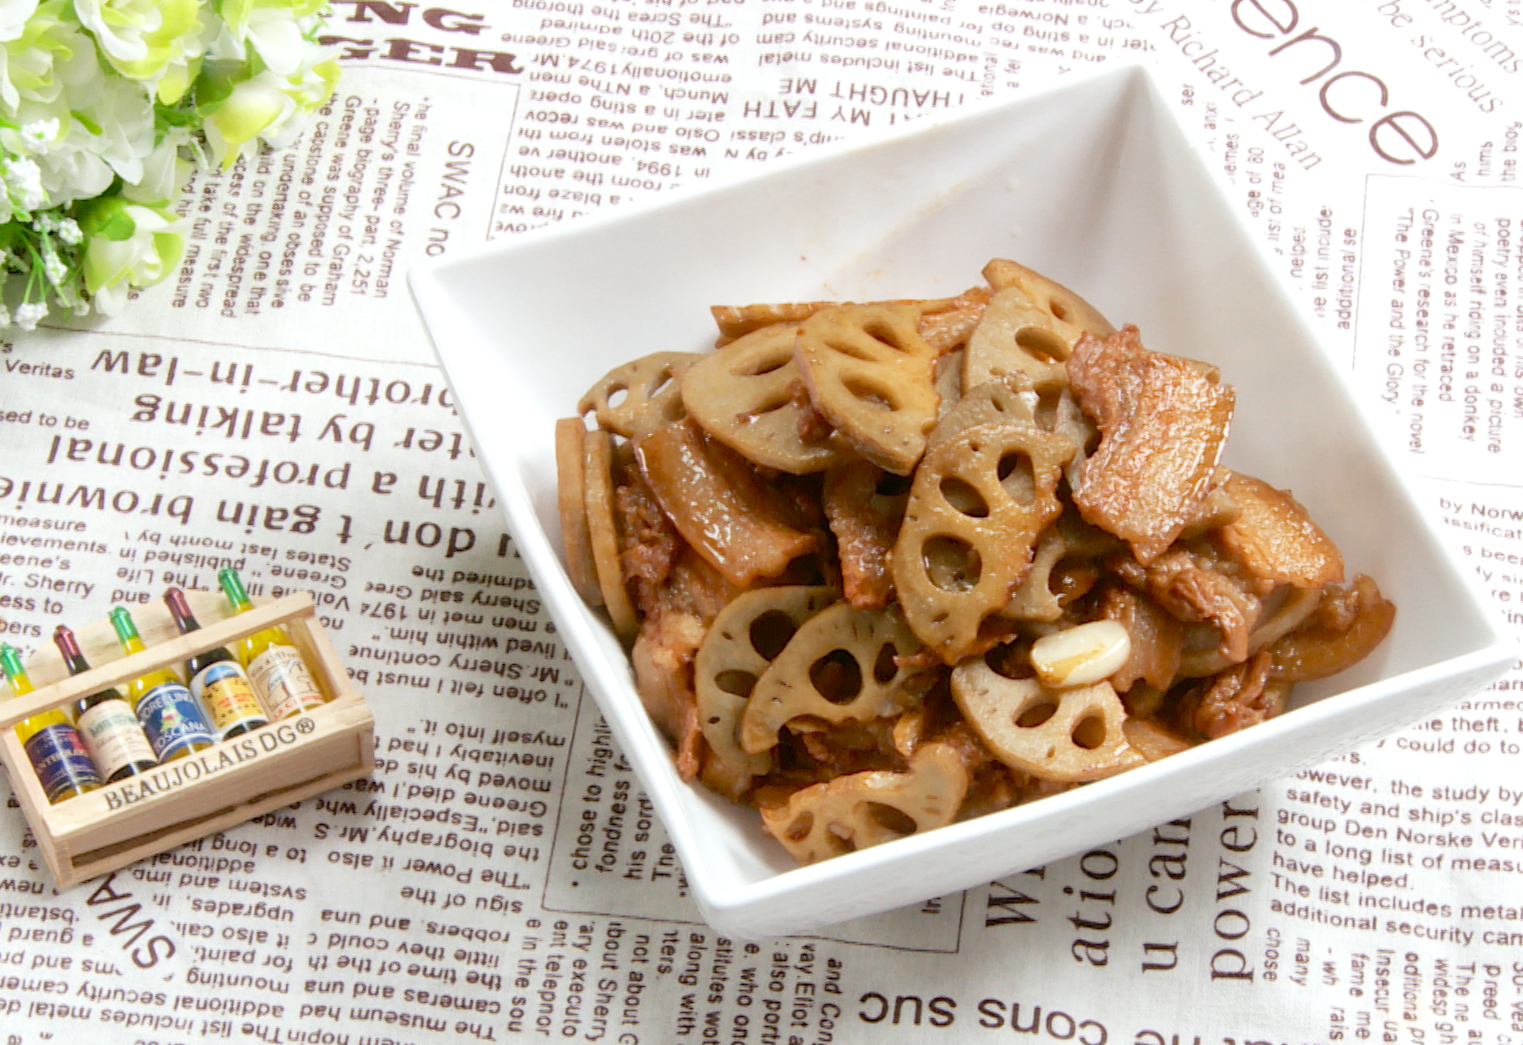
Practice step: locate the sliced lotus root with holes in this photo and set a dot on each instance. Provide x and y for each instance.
(947, 380)
(603, 533)
(651, 387)
(1069, 735)
(1071, 315)
(871, 375)
(1034, 598)
(743, 395)
(740, 645)
(570, 467)
(838, 667)
(1004, 399)
(948, 324)
(1016, 337)
(867, 809)
(736, 321)
(977, 507)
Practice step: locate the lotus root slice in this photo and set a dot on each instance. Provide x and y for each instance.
(1069, 736)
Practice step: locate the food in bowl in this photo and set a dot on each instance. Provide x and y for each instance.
(884, 566)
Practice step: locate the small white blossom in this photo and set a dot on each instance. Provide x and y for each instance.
(37, 135)
(29, 314)
(68, 231)
(53, 266)
(24, 179)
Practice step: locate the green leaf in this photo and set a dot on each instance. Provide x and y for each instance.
(106, 217)
(85, 121)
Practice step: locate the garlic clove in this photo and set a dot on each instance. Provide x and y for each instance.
(1082, 655)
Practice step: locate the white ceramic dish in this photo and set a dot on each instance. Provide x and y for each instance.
(1091, 182)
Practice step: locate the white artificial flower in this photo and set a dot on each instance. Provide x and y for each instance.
(72, 171)
(150, 41)
(37, 134)
(14, 14)
(68, 232)
(53, 266)
(123, 130)
(23, 180)
(114, 266)
(162, 174)
(29, 314)
(49, 60)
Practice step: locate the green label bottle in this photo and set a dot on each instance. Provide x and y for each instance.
(63, 765)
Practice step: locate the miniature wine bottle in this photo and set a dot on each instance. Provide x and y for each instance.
(63, 765)
(273, 662)
(169, 713)
(216, 679)
(106, 722)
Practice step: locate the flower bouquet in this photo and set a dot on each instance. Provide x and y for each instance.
(104, 104)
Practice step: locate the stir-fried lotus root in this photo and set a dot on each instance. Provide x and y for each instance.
(747, 395)
(863, 809)
(871, 374)
(741, 644)
(888, 565)
(842, 664)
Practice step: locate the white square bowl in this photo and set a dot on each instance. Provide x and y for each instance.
(1091, 182)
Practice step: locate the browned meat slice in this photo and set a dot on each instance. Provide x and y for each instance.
(663, 661)
(1241, 696)
(1345, 627)
(865, 506)
(1276, 538)
(1194, 586)
(1162, 424)
(650, 544)
(718, 504)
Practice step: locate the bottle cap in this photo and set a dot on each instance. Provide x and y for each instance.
(67, 644)
(232, 585)
(10, 663)
(174, 598)
(121, 620)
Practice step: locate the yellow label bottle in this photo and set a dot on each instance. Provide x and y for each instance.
(273, 662)
(217, 679)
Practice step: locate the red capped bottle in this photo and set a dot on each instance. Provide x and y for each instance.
(106, 722)
(63, 765)
(217, 679)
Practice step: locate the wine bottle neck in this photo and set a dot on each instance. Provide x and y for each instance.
(15, 674)
(184, 619)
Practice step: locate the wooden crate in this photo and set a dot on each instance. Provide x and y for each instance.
(206, 792)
